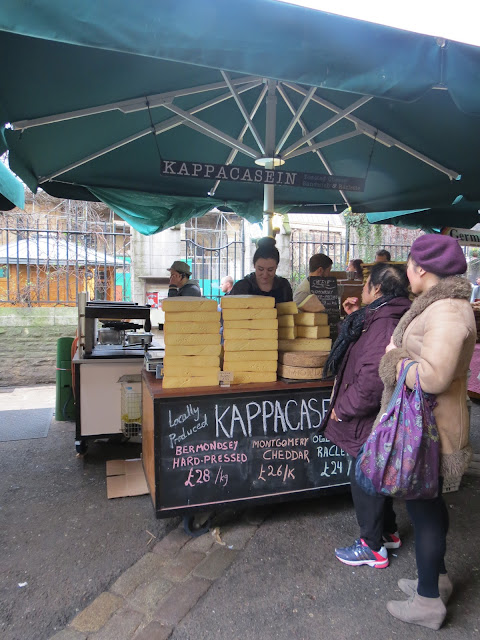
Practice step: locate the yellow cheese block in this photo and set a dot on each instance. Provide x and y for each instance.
(253, 376)
(251, 324)
(313, 332)
(287, 333)
(249, 314)
(193, 350)
(287, 308)
(300, 373)
(305, 344)
(190, 327)
(186, 382)
(311, 303)
(198, 316)
(250, 345)
(247, 302)
(249, 334)
(172, 371)
(311, 319)
(184, 339)
(249, 356)
(286, 321)
(191, 362)
(251, 365)
(188, 303)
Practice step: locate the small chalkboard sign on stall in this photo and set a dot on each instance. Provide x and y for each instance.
(218, 449)
(326, 290)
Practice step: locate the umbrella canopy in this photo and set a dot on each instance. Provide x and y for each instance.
(100, 97)
(12, 192)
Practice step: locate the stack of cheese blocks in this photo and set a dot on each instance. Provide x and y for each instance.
(302, 356)
(192, 342)
(250, 333)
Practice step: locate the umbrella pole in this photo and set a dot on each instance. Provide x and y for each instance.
(270, 130)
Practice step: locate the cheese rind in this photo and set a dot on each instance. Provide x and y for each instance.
(249, 334)
(182, 382)
(311, 319)
(189, 304)
(287, 308)
(250, 345)
(198, 316)
(303, 358)
(181, 371)
(248, 314)
(313, 332)
(248, 356)
(270, 324)
(190, 327)
(287, 333)
(253, 365)
(305, 344)
(253, 376)
(286, 321)
(247, 302)
(186, 339)
(193, 362)
(300, 373)
(193, 350)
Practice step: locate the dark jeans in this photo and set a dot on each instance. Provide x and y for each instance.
(375, 514)
(430, 521)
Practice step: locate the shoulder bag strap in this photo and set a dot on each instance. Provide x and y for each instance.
(400, 383)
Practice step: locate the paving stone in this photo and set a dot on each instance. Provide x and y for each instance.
(147, 597)
(171, 544)
(154, 631)
(97, 613)
(69, 634)
(257, 515)
(180, 600)
(183, 564)
(238, 535)
(202, 543)
(121, 626)
(215, 563)
(145, 570)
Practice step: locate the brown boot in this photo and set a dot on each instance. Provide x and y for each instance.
(427, 612)
(445, 587)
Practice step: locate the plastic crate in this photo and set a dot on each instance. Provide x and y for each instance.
(131, 409)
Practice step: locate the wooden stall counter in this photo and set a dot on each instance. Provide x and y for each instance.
(208, 447)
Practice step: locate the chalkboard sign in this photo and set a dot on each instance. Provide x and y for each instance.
(326, 290)
(217, 449)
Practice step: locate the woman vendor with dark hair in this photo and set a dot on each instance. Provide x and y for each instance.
(264, 281)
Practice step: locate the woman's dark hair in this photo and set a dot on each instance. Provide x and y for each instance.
(357, 265)
(267, 250)
(392, 279)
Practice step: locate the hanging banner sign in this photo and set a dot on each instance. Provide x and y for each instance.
(277, 177)
(464, 236)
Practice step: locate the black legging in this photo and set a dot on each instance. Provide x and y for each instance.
(430, 521)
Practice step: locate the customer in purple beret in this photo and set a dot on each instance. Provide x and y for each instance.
(439, 334)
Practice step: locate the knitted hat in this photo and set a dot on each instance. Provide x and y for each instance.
(439, 254)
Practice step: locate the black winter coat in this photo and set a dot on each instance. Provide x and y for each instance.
(358, 388)
(281, 290)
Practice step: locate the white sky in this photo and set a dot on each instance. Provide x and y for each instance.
(452, 19)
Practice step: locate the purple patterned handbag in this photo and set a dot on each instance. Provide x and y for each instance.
(402, 454)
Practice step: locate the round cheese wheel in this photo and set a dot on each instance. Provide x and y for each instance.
(303, 358)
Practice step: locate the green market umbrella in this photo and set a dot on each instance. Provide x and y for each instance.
(12, 192)
(97, 96)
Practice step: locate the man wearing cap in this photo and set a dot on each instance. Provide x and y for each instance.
(180, 283)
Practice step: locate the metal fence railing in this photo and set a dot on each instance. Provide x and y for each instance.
(45, 266)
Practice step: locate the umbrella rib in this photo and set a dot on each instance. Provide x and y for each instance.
(296, 117)
(381, 136)
(329, 123)
(160, 128)
(304, 129)
(324, 143)
(243, 111)
(131, 105)
(213, 132)
(232, 155)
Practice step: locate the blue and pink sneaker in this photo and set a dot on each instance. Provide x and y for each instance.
(360, 553)
(391, 540)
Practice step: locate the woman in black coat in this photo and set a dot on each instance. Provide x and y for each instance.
(356, 398)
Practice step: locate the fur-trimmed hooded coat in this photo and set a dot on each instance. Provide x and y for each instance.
(439, 333)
